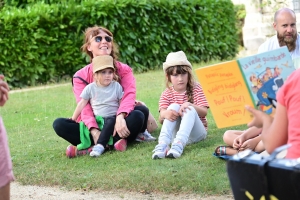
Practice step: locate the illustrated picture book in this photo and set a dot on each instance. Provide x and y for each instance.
(252, 80)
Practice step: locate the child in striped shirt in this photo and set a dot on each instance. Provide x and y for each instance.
(182, 107)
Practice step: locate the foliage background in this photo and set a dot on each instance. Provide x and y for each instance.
(41, 42)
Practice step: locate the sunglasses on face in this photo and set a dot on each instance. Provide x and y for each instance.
(99, 38)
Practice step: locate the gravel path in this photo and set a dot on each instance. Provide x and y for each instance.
(20, 192)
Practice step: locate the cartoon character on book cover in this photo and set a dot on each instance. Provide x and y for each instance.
(266, 86)
(265, 74)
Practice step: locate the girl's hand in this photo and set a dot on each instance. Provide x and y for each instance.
(238, 142)
(121, 127)
(171, 115)
(183, 108)
(249, 144)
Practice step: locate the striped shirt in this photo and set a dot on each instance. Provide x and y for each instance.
(170, 96)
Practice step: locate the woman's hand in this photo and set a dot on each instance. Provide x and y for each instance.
(121, 127)
(3, 91)
(183, 108)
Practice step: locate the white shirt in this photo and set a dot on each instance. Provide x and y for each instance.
(272, 44)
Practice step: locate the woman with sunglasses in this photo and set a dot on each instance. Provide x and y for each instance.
(131, 120)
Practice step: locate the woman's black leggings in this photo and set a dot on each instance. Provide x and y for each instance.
(136, 123)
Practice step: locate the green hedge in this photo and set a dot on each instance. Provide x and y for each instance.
(240, 11)
(25, 3)
(42, 42)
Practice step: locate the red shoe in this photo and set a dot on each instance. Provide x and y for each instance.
(72, 151)
(121, 145)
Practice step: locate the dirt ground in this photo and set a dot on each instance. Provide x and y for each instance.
(26, 192)
(20, 192)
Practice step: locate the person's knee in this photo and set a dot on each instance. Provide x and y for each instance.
(57, 125)
(227, 135)
(190, 113)
(138, 116)
(191, 109)
(135, 122)
(142, 108)
(174, 106)
(259, 147)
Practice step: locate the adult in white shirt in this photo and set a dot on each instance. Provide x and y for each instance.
(285, 26)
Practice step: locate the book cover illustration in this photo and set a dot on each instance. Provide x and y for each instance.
(265, 74)
(253, 80)
(226, 92)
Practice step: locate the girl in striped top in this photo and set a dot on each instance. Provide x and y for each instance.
(182, 108)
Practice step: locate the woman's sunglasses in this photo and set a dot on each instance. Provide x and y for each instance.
(99, 38)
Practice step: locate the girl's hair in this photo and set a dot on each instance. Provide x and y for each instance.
(92, 32)
(115, 77)
(182, 69)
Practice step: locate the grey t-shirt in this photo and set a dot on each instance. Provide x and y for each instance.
(105, 101)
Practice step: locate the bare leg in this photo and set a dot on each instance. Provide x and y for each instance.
(96, 134)
(230, 135)
(96, 137)
(5, 192)
(259, 147)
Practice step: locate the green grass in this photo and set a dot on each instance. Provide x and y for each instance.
(38, 154)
